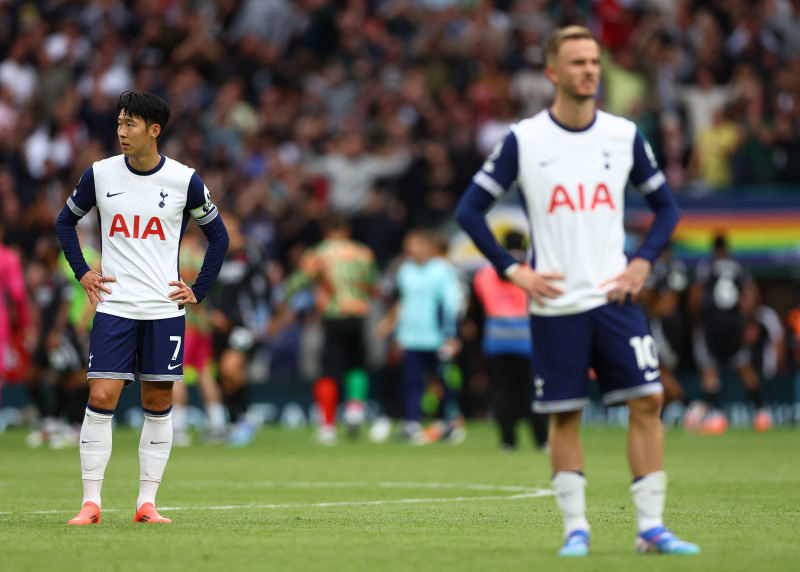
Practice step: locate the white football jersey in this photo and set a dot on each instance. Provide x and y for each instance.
(573, 185)
(142, 218)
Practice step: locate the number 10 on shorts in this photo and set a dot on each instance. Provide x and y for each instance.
(645, 350)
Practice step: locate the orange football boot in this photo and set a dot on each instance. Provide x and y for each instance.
(89, 514)
(148, 513)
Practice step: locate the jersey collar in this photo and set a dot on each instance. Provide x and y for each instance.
(572, 129)
(152, 171)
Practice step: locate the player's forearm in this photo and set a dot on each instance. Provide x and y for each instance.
(665, 207)
(217, 236)
(68, 237)
(471, 215)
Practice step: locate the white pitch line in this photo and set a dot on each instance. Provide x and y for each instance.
(349, 484)
(534, 494)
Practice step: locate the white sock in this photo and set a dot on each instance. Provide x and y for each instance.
(180, 419)
(649, 495)
(216, 417)
(95, 449)
(154, 448)
(570, 491)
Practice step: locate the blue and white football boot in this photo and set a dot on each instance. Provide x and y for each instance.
(577, 544)
(664, 541)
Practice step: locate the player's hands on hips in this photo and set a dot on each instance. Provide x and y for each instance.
(92, 282)
(183, 295)
(537, 285)
(630, 282)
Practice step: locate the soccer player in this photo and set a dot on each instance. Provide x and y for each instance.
(144, 201)
(198, 357)
(240, 290)
(572, 163)
(719, 341)
(345, 278)
(425, 320)
(661, 301)
(507, 347)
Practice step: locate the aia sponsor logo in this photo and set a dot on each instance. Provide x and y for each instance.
(580, 200)
(153, 228)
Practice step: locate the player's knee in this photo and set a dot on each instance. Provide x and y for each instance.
(647, 406)
(102, 397)
(567, 421)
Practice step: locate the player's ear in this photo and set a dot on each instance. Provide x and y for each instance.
(155, 130)
(550, 72)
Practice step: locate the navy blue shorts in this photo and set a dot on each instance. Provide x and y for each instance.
(121, 347)
(613, 340)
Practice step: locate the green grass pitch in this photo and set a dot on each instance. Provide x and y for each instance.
(365, 507)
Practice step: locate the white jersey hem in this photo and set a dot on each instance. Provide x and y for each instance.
(134, 316)
(582, 305)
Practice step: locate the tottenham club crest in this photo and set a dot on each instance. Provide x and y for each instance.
(163, 196)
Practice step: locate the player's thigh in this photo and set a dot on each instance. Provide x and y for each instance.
(356, 350)
(416, 365)
(624, 354)
(335, 351)
(113, 346)
(562, 349)
(161, 348)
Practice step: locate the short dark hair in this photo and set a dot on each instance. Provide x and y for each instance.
(147, 106)
(336, 222)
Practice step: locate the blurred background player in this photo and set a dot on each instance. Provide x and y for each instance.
(661, 302)
(425, 320)
(56, 380)
(507, 347)
(198, 357)
(716, 298)
(240, 289)
(15, 319)
(345, 277)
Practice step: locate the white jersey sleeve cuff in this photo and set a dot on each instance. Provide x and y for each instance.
(488, 184)
(652, 184)
(511, 269)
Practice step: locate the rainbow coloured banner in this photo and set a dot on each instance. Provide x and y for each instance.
(760, 231)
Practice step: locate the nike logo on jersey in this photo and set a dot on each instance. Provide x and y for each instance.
(651, 375)
(171, 367)
(89, 441)
(158, 442)
(548, 162)
(109, 195)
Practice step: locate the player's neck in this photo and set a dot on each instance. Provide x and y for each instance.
(573, 114)
(147, 161)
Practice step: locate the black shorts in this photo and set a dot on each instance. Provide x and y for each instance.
(344, 347)
(239, 339)
(66, 358)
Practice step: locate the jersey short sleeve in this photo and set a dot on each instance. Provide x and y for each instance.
(198, 201)
(83, 198)
(500, 170)
(645, 174)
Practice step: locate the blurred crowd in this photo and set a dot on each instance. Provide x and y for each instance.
(381, 111)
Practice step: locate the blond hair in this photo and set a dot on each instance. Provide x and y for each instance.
(560, 36)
